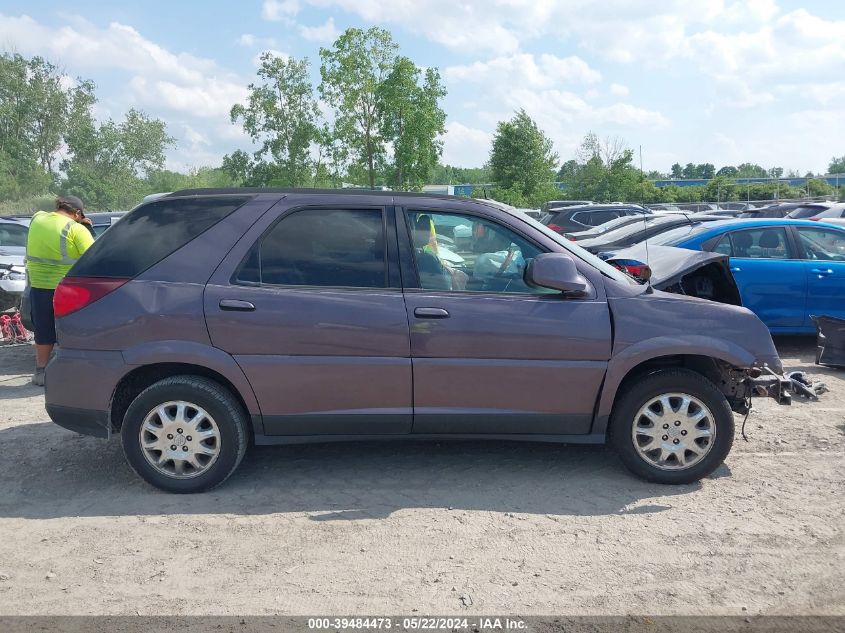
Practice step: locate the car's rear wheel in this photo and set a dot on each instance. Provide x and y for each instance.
(185, 434)
(672, 426)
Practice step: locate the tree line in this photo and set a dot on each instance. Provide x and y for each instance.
(375, 119)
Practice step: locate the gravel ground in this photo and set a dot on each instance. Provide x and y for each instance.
(426, 528)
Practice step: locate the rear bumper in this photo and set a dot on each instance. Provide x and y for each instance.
(84, 421)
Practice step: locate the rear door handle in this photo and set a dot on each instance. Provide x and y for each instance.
(822, 271)
(236, 305)
(735, 269)
(431, 313)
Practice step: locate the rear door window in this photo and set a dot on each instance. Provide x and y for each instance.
(151, 232)
(765, 243)
(321, 247)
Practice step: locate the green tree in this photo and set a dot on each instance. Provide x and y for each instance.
(676, 171)
(837, 165)
(352, 72)
(412, 119)
(522, 158)
(690, 171)
(818, 187)
(281, 114)
(606, 173)
(449, 175)
(728, 171)
(750, 170)
(35, 107)
(720, 189)
(108, 161)
(706, 170)
(568, 171)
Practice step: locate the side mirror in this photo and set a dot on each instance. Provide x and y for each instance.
(556, 271)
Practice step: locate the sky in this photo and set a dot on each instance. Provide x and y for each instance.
(718, 81)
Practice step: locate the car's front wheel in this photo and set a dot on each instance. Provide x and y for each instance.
(672, 426)
(184, 434)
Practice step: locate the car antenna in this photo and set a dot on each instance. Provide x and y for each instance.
(648, 289)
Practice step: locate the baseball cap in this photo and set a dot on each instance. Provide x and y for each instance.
(70, 201)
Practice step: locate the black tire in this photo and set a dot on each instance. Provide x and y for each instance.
(638, 392)
(221, 405)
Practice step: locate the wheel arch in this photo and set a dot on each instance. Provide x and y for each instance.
(137, 380)
(712, 358)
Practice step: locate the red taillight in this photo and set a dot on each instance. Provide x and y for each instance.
(74, 293)
(570, 238)
(555, 228)
(634, 271)
(814, 219)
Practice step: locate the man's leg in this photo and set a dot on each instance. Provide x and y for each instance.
(42, 354)
(45, 330)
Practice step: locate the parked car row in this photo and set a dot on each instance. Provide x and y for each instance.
(788, 259)
(787, 271)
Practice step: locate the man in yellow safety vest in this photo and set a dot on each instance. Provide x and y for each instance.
(56, 240)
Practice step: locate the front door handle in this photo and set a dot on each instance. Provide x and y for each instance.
(236, 305)
(822, 271)
(735, 269)
(431, 313)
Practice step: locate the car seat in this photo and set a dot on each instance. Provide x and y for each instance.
(742, 243)
(433, 274)
(771, 241)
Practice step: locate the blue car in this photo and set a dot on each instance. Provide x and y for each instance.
(786, 270)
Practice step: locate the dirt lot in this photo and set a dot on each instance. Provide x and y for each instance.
(426, 528)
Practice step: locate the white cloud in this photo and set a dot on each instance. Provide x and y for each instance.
(325, 33)
(619, 90)
(248, 40)
(190, 93)
(85, 47)
(279, 10)
(526, 70)
(465, 146)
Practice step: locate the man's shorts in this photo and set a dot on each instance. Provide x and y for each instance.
(43, 318)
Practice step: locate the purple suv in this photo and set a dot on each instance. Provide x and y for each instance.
(207, 320)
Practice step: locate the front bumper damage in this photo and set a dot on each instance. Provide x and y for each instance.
(764, 382)
(740, 385)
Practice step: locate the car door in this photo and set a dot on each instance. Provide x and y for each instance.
(310, 306)
(823, 252)
(769, 274)
(491, 355)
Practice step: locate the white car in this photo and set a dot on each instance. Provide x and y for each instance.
(834, 214)
(12, 254)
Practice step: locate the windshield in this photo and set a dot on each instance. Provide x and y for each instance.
(13, 234)
(612, 224)
(678, 234)
(634, 228)
(604, 268)
(805, 212)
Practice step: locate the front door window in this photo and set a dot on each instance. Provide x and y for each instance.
(465, 253)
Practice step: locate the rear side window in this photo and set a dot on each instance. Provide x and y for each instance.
(764, 243)
(321, 247)
(152, 232)
(13, 234)
(595, 218)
